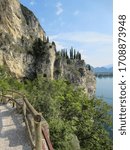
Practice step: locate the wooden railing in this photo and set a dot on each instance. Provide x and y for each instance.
(36, 125)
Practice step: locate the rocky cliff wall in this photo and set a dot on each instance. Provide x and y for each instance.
(26, 51)
(19, 31)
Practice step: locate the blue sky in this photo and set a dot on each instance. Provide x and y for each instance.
(84, 24)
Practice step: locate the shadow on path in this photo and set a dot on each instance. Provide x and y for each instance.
(12, 128)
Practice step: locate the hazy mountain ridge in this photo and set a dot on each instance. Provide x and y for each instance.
(103, 69)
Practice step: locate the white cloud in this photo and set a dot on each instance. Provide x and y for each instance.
(84, 37)
(59, 8)
(76, 13)
(59, 45)
(96, 48)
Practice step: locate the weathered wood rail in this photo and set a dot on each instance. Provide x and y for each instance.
(36, 125)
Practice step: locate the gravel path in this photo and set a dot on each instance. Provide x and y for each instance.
(13, 134)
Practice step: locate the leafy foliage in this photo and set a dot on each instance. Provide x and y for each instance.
(38, 48)
(68, 111)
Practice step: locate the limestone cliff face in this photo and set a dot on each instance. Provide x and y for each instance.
(19, 31)
(26, 51)
(18, 23)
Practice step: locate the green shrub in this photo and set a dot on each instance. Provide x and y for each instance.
(68, 112)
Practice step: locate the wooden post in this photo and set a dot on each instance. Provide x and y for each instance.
(47, 139)
(38, 136)
(27, 125)
(13, 103)
(1, 96)
(31, 124)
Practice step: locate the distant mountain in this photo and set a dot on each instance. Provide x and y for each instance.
(103, 70)
(109, 66)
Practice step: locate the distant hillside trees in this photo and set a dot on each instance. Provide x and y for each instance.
(73, 55)
(64, 53)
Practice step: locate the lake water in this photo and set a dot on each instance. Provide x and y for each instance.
(104, 88)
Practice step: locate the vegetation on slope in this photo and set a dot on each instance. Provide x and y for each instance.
(68, 111)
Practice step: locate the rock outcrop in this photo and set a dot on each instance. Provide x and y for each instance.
(26, 51)
(76, 72)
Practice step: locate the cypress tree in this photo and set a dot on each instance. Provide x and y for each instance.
(79, 56)
(47, 40)
(71, 53)
(74, 54)
(66, 54)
